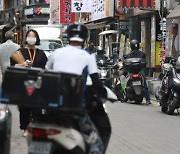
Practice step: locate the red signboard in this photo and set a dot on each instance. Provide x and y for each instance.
(137, 3)
(66, 16)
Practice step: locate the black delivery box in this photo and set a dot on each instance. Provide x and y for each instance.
(134, 65)
(38, 88)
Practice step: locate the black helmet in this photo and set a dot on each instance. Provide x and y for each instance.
(77, 32)
(100, 50)
(134, 44)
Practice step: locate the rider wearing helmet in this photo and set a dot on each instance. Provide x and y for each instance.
(100, 54)
(136, 53)
(74, 59)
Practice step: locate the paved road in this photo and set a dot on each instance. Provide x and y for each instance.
(136, 129)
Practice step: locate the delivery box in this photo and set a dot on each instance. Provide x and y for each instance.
(38, 88)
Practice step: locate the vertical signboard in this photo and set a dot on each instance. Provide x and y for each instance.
(160, 41)
(153, 41)
(66, 16)
(54, 11)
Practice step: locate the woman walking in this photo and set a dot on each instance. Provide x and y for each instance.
(36, 58)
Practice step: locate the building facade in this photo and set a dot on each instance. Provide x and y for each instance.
(16, 14)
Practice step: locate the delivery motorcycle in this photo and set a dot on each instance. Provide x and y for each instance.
(5, 129)
(105, 71)
(131, 84)
(56, 102)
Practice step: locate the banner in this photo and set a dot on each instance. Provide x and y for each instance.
(102, 9)
(54, 11)
(81, 6)
(137, 3)
(66, 16)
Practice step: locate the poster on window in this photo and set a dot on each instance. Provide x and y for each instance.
(66, 16)
(81, 6)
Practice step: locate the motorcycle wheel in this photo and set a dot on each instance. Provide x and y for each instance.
(164, 109)
(121, 96)
(171, 106)
(138, 99)
(120, 93)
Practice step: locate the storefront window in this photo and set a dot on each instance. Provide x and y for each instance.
(37, 1)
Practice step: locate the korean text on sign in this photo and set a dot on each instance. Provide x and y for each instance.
(66, 16)
(81, 5)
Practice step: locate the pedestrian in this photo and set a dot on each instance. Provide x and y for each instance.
(6, 50)
(38, 59)
(90, 46)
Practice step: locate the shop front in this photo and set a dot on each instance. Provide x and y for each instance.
(34, 15)
(7, 23)
(173, 25)
(101, 19)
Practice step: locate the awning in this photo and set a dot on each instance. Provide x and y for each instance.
(2, 26)
(175, 12)
(108, 32)
(99, 25)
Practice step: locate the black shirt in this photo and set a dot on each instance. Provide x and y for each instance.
(39, 60)
(136, 54)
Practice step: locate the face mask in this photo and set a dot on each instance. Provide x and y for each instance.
(31, 40)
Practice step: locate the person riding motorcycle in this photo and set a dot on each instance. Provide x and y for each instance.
(100, 54)
(136, 53)
(74, 59)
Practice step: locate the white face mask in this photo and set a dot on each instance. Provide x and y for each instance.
(31, 40)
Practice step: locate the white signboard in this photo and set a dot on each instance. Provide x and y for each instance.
(81, 5)
(1, 5)
(102, 9)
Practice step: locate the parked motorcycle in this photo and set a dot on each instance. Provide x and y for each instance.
(5, 129)
(56, 107)
(131, 85)
(170, 86)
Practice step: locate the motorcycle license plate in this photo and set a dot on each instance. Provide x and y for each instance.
(136, 83)
(40, 147)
